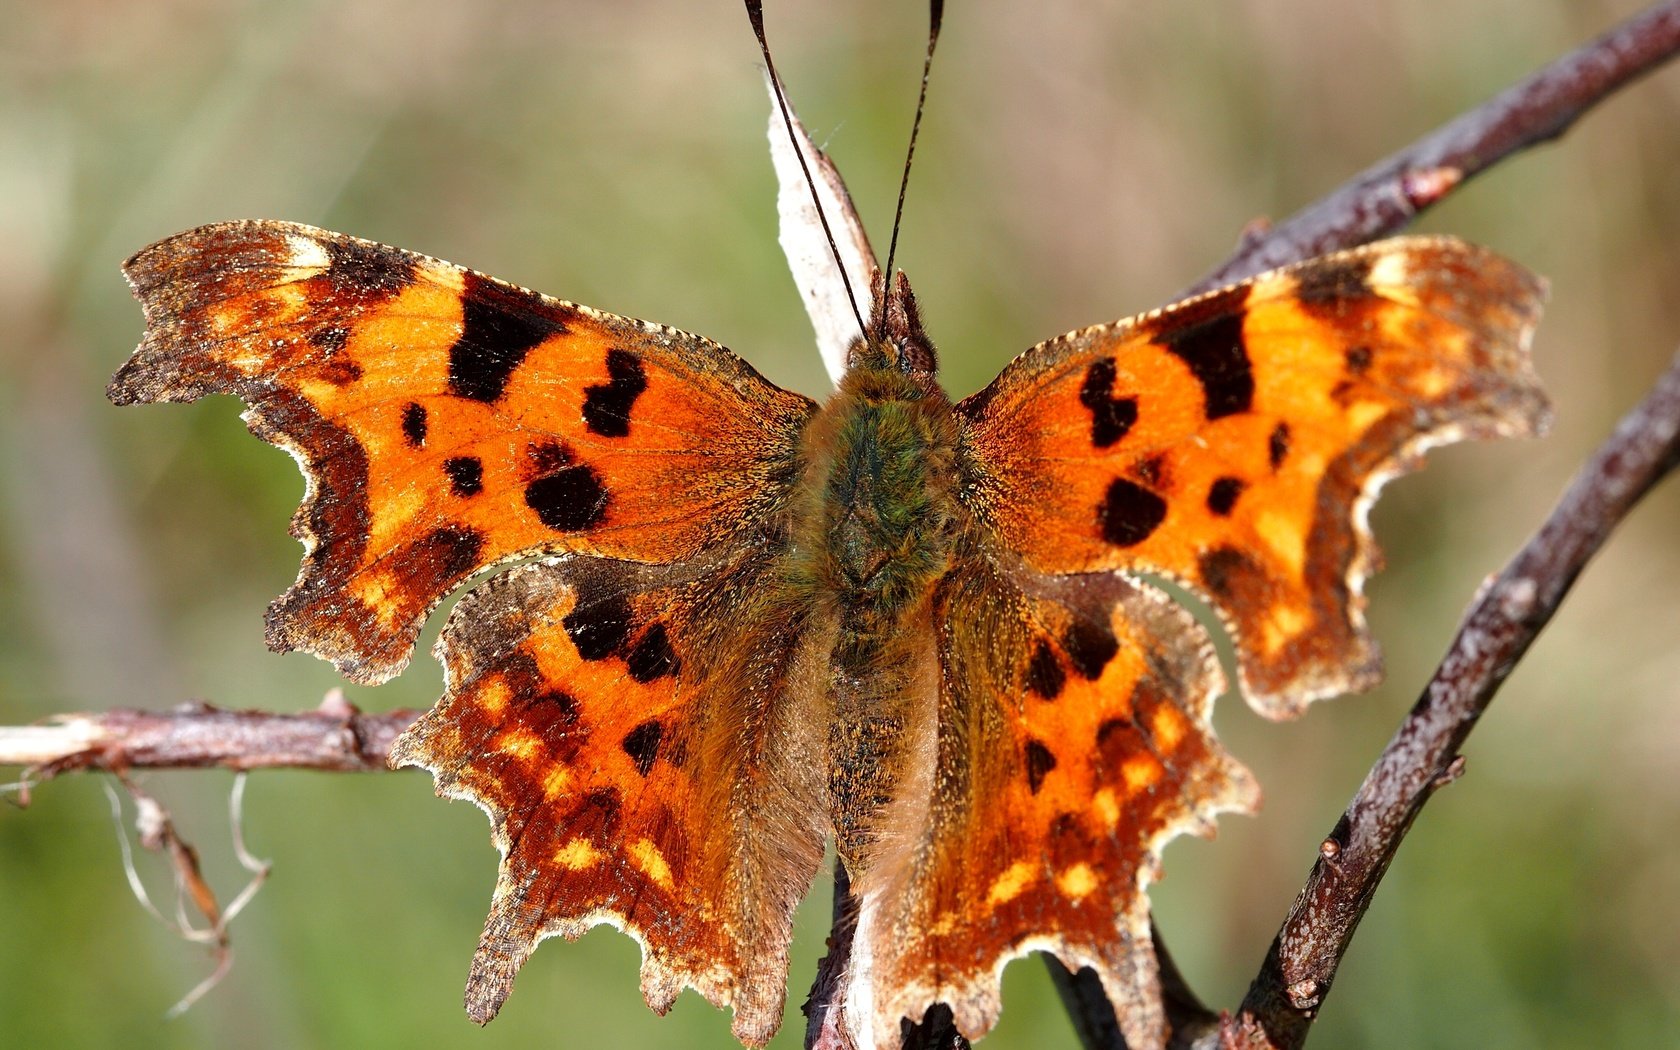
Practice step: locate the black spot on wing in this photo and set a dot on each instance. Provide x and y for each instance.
(599, 817)
(1111, 417)
(566, 495)
(1089, 647)
(334, 366)
(642, 745)
(1208, 337)
(329, 340)
(599, 628)
(366, 272)
(1222, 496)
(466, 475)
(1277, 446)
(652, 656)
(1040, 761)
(559, 706)
(414, 424)
(570, 500)
(1326, 285)
(1116, 739)
(606, 406)
(1223, 569)
(1044, 674)
(499, 327)
(1129, 513)
(1358, 359)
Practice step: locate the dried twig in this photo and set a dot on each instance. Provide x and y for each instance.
(1383, 198)
(158, 834)
(1377, 202)
(334, 737)
(1423, 756)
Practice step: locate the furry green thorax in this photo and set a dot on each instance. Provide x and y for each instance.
(875, 531)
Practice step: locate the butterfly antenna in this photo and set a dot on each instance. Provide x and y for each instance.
(936, 14)
(755, 14)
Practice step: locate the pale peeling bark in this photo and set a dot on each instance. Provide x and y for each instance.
(805, 242)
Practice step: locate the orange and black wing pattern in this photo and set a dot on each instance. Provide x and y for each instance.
(448, 421)
(1074, 742)
(1233, 442)
(635, 733)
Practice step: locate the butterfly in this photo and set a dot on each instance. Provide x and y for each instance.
(718, 625)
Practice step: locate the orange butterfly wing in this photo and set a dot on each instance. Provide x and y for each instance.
(1074, 742)
(448, 421)
(612, 713)
(637, 735)
(1233, 442)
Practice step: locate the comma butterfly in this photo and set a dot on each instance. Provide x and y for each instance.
(744, 623)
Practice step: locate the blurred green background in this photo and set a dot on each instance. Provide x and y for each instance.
(1079, 162)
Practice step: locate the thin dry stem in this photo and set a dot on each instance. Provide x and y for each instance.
(1423, 755)
(335, 737)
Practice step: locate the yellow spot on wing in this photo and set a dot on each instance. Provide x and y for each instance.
(1107, 808)
(1167, 728)
(558, 782)
(521, 744)
(1389, 271)
(1010, 884)
(374, 590)
(1283, 535)
(577, 854)
(652, 862)
(306, 254)
(492, 698)
(1362, 414)
(1282, 623)
(1140, 772)
(1077, 881)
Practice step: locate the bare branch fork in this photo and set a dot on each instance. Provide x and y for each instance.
(1423, 755)
(1507, 616)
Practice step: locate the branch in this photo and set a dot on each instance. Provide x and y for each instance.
(334, 737)
(1377, 202)
(1424, 754)
(1386, 196)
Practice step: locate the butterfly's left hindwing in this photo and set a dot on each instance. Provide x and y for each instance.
(448, 421)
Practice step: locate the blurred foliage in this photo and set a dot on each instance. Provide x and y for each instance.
(1079, 163)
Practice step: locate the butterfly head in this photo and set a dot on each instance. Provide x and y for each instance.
(895, 339)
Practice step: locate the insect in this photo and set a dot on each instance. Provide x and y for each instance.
(725, 624)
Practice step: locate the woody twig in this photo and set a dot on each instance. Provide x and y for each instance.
(334, 737)
(1383, 198)
(1423, 756)
(1380, 201)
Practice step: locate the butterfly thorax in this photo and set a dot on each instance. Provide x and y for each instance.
(873, 532)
